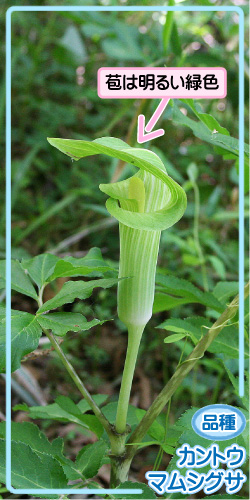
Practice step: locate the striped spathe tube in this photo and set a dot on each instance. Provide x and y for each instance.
(144, 204)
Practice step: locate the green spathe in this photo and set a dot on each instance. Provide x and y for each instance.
(145, 204)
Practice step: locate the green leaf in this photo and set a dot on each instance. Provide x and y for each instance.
(185, 419)
(21, 407)
(68, 466)
(75, 289)
(90, 458)
(68, 406)
(164, 302)
(235, 382)
(180, 287)
(29, 470)
(25, 335)
(224, 290)
(181, 327)
(204, 133)
(88, 421)
(246, 171)
(210, 122)
(92, 423)
(191, 260)
(146, 491)
(40, 267)
(92, 263)
(218, 266)
(168, 449)
(65, 410)
(29, 434)
(61, 323)
(158, 433)
(226, 343)
(98, 398)
(55, 411)
(175, 40)
(185, 292)
(47, 267)
(110, 411)
(20, 282)
(174, 338)
(156, 429)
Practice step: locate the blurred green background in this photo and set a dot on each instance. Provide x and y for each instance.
(55, 58)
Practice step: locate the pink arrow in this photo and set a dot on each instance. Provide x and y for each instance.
(141, 136)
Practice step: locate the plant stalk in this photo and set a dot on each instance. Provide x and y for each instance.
(79, 384)
(134, 338)
(119, 470)
(167, 29)
(180, 373)
(119, 464)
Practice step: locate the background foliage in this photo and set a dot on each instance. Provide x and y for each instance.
(57, 206)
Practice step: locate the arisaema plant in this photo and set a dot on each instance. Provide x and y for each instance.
(145, 204)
